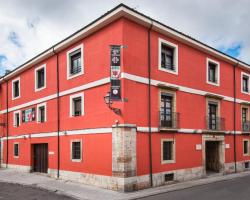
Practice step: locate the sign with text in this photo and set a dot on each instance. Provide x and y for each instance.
(28, 115)
(115, 72)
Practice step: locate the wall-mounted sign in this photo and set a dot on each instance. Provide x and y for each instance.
(28, 115)
(198, 147)
(115, 71)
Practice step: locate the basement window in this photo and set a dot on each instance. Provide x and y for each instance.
(245, 147)
(213, 72)
(76, 105)
(16, 118)
(246, 165)
(40, 78)
(169, 177)
(75, 62)
(16, 88)
(168, 57)
(168, 151)
(76, 150)
(41, 113)
(16, 150)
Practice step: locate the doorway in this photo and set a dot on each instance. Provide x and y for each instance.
(213, 160)
(40, 157)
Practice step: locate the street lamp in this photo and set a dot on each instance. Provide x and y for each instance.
(109, 102)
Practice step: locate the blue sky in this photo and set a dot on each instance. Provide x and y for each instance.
(30, 26)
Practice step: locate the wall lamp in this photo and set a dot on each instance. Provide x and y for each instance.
(109, 102)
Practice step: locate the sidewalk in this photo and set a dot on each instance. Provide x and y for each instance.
(85, 192)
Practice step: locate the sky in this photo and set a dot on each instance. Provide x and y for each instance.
(28, 27)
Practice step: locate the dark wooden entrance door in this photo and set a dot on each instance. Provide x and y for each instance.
(212, 156)
(40, 158)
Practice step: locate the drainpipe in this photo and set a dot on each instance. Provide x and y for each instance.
(58, 113)
(149, 106)
(235, 151)
(7, 123)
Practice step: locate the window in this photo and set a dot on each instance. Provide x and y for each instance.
(16, 149)
(76, 150)
(245, 147)
(168, 151)
(75, 62)
(40, 78)
(166, 110)
(213, 72)
(76, 105)
(212, 116)
(168, 57)
(245, 83)
(16, 118)
(244, 119)
(16, 88)
(41, 113)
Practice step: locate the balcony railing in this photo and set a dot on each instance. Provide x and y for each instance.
(169, 120)
(215, 124)
(246, 126)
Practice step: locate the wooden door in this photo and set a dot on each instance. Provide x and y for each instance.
(40, 158)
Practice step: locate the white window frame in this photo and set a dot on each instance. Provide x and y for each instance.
(71, 103)
(45, 79)
(16, 143)
(45, 112)
(69, 61)
(246, 154)
(71, 146)
(14, 118)
(175, 60)
(173, 151)
(248, 75)
(209, 60)
(13, 81)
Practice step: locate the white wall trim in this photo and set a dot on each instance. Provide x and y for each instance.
(45, 112)
(63, 93)
(45, 77)
(12, 88)
(79, 47)
(61, 133)
(209, 60)
(175, 59)
(241, 86)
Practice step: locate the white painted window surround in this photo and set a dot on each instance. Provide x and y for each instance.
(173, 151)
(69, 53)
(71, 150)
(36, 79)
(246, 141)
(14, 81)
(15, 113)
(38, 114)
(217, 72)
(241, 86)
(175, 60)
(72, 97)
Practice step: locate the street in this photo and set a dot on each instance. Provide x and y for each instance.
(13, 191)
(236, 189)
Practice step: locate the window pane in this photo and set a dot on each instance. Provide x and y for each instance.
(245, 147)
(42, 114)
(16, 89)
(167, 150)
(77, 106)
(167, 55)
(40, 78)
(16, 153)
(212, 77)
(75, 63)
(245, 84)
(76, 150)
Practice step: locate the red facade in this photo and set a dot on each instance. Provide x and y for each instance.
(193, 144)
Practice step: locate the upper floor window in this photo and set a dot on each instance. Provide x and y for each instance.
(17, 118)
(245, 78)
(213, 72)
(244, 119)
(75, 62)
(41, 113)
(76, 105)
(40, 78)
(76, 150)
(167, 151)
(16, 88)
(168, 56)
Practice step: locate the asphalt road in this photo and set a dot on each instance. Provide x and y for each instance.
(14, 192)
(235, 189)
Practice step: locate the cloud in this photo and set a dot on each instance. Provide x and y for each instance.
(31, 26)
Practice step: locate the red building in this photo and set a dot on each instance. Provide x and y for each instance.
(183, 111)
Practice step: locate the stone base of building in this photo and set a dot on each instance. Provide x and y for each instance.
(135, 182)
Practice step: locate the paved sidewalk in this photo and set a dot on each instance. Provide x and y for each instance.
(84, 192)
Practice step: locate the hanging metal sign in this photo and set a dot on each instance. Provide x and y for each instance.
(28, 115)
(115, 72)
